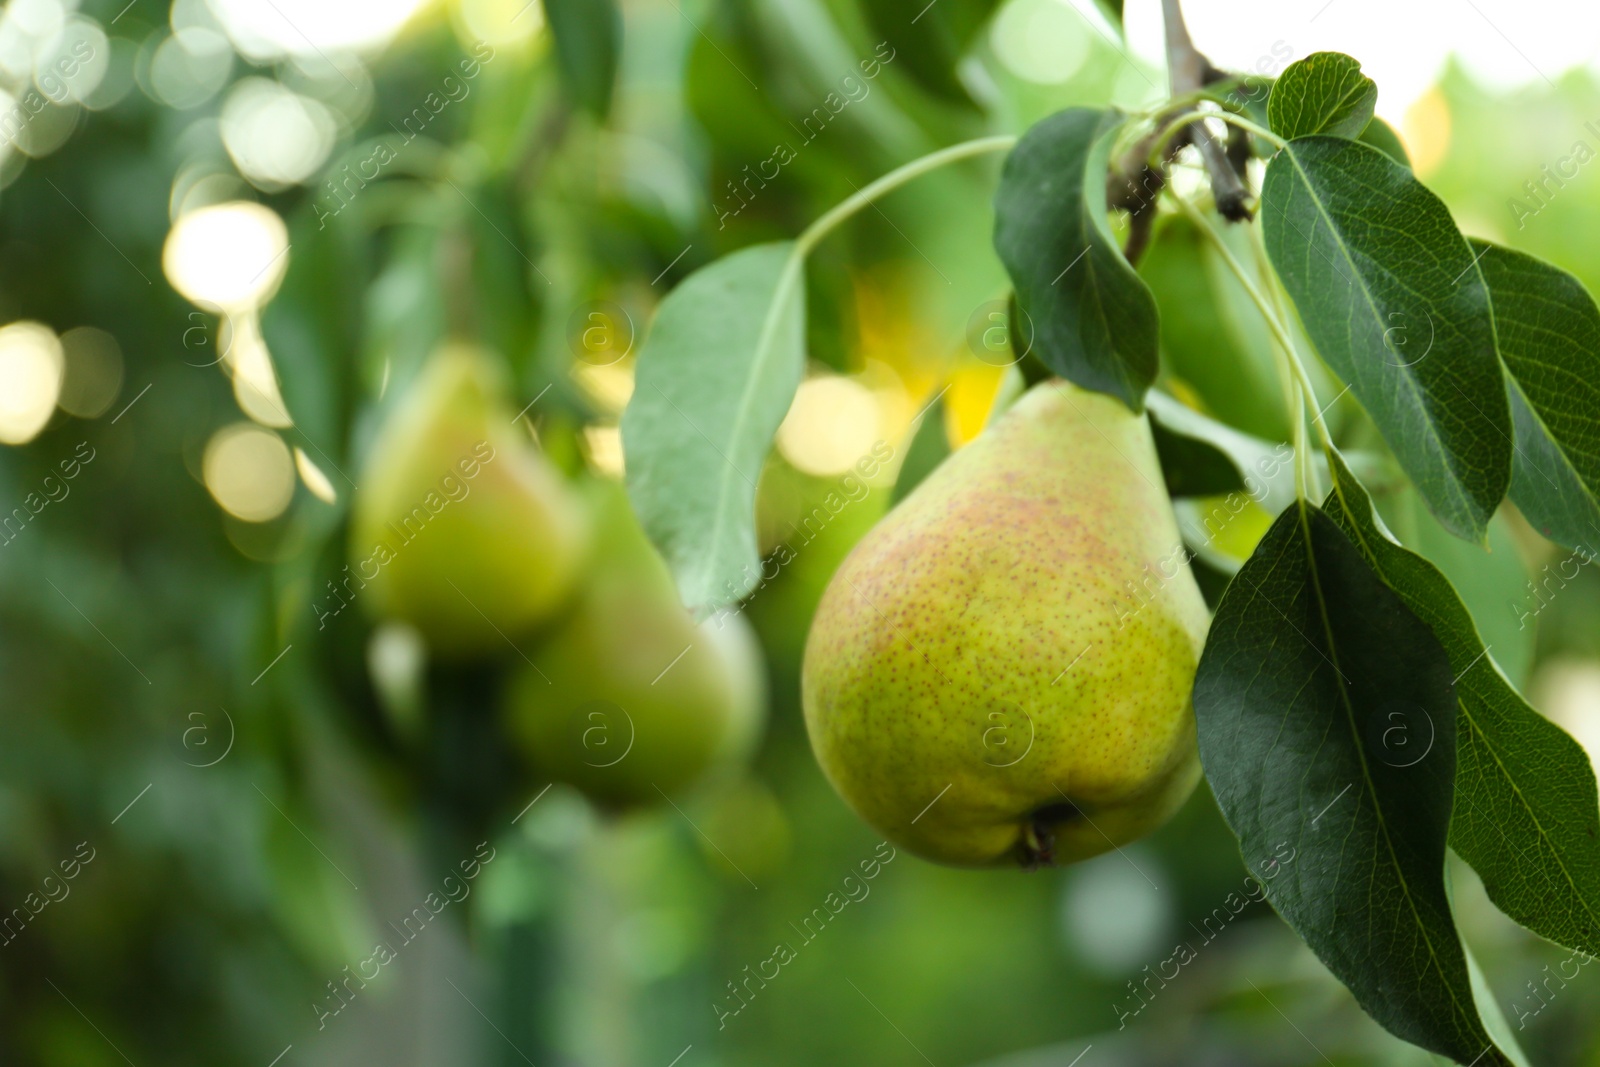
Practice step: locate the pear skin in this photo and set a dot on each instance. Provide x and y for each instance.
(631, 700)
(461, 526)
(1000, 672)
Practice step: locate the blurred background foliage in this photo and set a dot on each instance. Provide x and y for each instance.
(263, 799)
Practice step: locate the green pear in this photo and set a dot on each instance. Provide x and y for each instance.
(1000, 671)
(461, 527)
(630, 700)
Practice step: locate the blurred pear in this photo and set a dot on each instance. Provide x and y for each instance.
(461, 527)
(630, 700)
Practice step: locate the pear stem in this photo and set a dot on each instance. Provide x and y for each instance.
(1303, 392)
(824, 225)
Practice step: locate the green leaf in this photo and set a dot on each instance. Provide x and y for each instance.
(929, 41)
(1386, 290)
(1192, 466)
(1323, 93)
(1212, 337)
(715, 377)
(1490, 583)
(1264, 469)
(1381, 135)
(588, 38)
(929, 447)
(1327, 725)
(1095, 320)
(1549, 333)
(1112, 9)
(1526, 813)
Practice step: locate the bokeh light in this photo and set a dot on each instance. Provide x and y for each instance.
(255, 383)
(227, 257)
(31, 366)
(74, 62)
(265, 31)
(1040, 40)
(832, 423)
(93, 371)
(316, 481)
(190, 67)
(502, 23)
(275, 136)
(248, 472)
(1115, 910)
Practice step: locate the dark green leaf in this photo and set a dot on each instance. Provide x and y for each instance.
(1385, 287)
(1327, 726)
(929, 447)
(1381, 135)
(1526, 813)
(1549, 333)
(588, 38)
(929, 41)
(1095, 320)
(1112, 10)
(715, 378)
(1264, 469)
(1323, 93)
(1193, 467)
(1212, 337)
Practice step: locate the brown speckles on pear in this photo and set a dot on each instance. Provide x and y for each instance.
(1003, 568)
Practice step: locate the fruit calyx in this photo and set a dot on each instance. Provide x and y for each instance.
(1037, 847)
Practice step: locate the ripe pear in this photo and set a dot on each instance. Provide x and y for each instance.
(630, 700)
(1000, 672)
(461, 527)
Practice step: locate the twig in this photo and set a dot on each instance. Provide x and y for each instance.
(1189, 70)
(1135, 186)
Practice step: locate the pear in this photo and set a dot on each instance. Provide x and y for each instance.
(630, 700)
(1000, 671)
(461, 527)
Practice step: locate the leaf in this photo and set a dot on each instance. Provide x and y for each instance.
(929, 41)
(588, 37)
(1212, 337)
(1323, 93)
(1327, 725)
(1485, 581)
(1095, 320)
(1384, 285)
(1112, 9)
(1526, 813)
(1192, 466)
(1548, 329)
(929, 447)
(1264, 469)
(1381, 135)
(715, 377)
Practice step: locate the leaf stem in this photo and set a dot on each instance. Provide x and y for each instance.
(1184, 119)
(892, 181)
(1302, 392)
(1245, 124)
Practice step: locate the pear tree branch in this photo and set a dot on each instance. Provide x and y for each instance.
(1135, 184)
(1188, 70)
